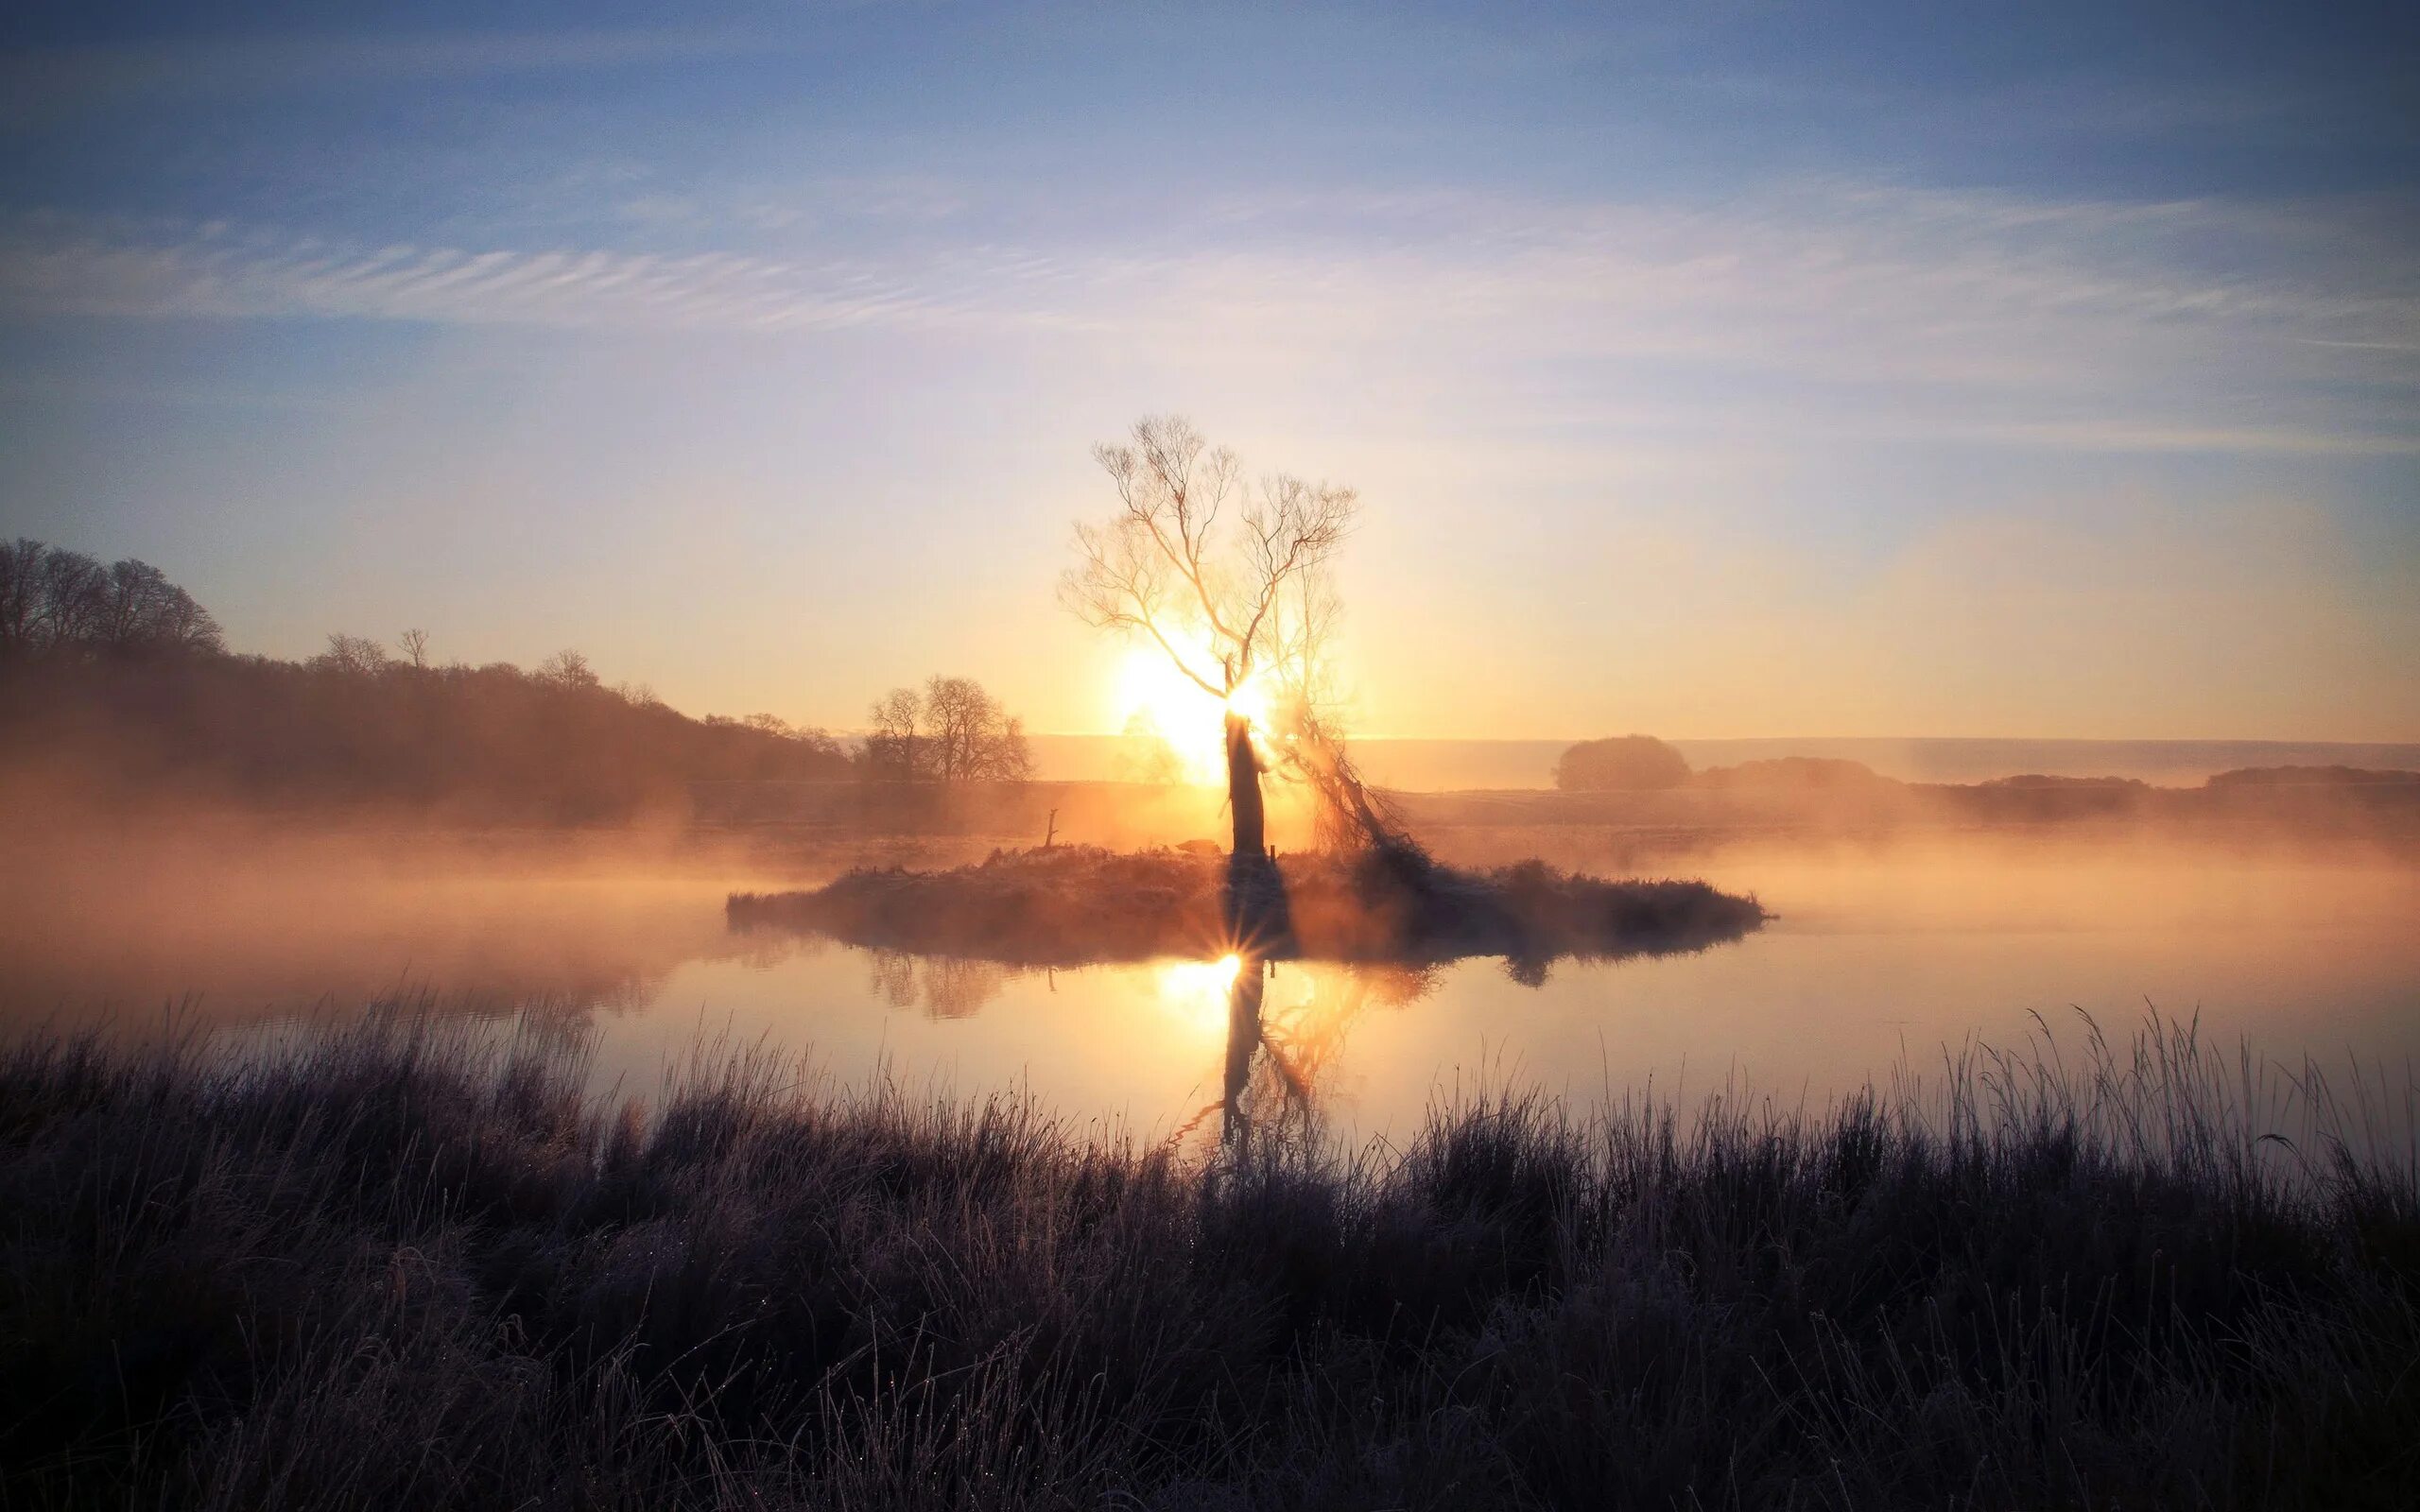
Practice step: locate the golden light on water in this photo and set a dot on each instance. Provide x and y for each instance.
(1195, 992)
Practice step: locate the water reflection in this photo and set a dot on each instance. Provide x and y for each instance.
(945, 986)
(1879, 952)
(1282, 1030)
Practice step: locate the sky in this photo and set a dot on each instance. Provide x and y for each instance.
(1714, 369)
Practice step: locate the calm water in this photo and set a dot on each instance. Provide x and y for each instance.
(1879, 954)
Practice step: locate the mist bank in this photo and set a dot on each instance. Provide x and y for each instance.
(2342, 804)
(1454, 764)
(2331, 808)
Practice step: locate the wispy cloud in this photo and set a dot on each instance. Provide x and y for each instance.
(2179, 326)
(215, 272)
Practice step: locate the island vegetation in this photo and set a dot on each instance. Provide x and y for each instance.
(1076, 905)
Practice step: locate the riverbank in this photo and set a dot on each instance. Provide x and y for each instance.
(407, 1265)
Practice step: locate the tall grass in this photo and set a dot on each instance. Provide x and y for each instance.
(406, 1265)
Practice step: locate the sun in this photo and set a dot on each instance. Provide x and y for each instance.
(1251, 700)
(1183, 713)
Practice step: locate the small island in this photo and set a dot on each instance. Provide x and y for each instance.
(1076, 905)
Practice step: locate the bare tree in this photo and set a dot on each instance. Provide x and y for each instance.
(567, 669)
(1225, 575)
(956, 712)
(22, 599)
(415, 644)
(954, 732)
(973, 738)
(354, 656)
(64, 601)
(72, 587)
(891, 745)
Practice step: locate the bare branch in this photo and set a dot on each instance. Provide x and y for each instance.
(1178, 550)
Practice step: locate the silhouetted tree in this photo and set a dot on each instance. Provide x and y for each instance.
(567, 669)
(953, 731)
(415, 644)
(892, 754)
(1226, 576)
(353, 656)
(1626, 761)
(973, 739)
(63, 602)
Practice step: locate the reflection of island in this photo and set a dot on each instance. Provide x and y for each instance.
(1387, 915)
(945, 986)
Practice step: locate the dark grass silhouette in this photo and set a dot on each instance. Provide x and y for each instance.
(1077, 904)
(410, 1265)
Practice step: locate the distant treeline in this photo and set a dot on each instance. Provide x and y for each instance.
(1639, 764)
(114, 679)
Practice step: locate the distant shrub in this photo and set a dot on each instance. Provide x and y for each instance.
(2312, 777)
(1624, 762)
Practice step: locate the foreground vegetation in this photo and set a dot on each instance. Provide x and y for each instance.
(408, 1266)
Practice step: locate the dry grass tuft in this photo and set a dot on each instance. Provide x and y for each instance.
(406, 1264)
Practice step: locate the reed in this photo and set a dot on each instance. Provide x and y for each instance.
(413, 1263)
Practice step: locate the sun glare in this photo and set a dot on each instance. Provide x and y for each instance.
(1185, 714)
(1196, 991)
(1251, 700)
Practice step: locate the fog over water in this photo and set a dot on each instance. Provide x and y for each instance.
(1881, 954)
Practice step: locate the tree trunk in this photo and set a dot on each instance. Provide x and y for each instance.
(1243, 789)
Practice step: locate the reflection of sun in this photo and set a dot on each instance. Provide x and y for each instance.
(1196, 991)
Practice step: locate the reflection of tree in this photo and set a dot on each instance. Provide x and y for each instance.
(1284, 1039)
(947, 987)
(955, 986)
(895, 978)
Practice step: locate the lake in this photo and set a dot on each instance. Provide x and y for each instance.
(1881, 954)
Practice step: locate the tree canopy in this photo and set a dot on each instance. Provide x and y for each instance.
(60, 603)
(1623, 762)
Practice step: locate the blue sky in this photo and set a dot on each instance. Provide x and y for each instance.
(1709, 369)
